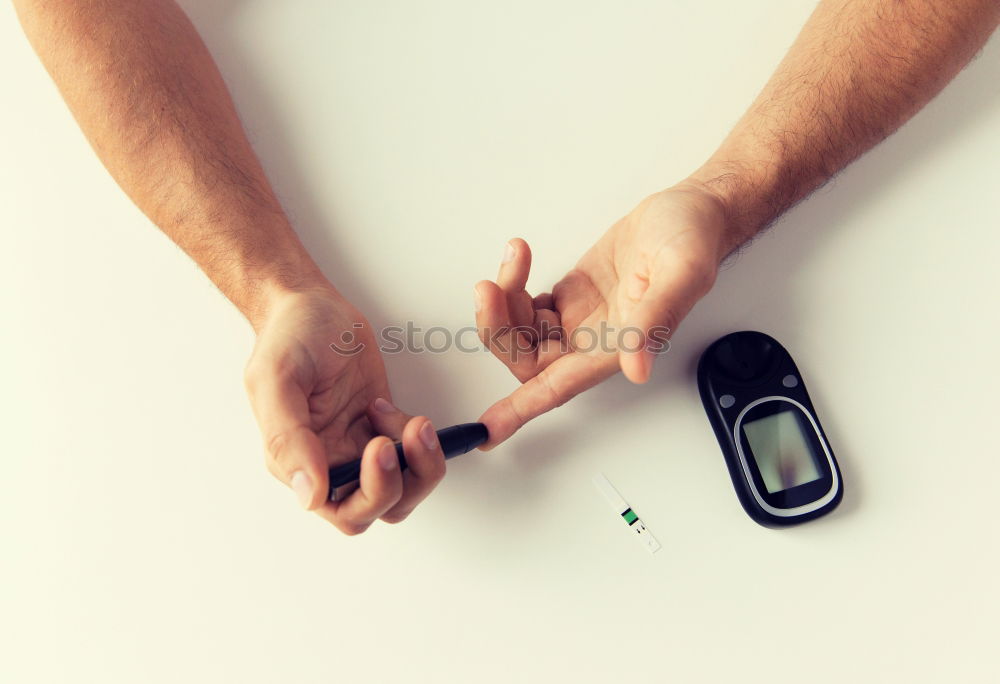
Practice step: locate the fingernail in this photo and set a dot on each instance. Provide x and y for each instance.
(428, 436)
(508, 253)
(302, 486)
(387, 457)
(383, 406)
(477, 299)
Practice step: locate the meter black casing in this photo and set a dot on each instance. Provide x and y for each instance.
(748, 375)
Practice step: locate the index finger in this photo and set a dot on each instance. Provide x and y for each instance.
(558, 383)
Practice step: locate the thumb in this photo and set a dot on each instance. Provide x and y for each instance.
(671, 295)
(295, 455)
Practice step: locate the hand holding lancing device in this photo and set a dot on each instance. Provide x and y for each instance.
(317, 407)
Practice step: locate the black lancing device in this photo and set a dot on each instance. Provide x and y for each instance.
(778, 456)
(455, 440)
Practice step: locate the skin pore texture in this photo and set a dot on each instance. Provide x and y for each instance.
(151, 101)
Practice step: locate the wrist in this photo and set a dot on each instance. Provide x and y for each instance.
(756, 184)
(745, 193)
(270, 293)
(269, 264)
(732, 194)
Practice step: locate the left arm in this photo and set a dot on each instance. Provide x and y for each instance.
(858, 70)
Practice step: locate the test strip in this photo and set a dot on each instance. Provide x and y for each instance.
(622, 508)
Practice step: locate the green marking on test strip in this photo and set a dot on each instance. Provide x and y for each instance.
(630, 516)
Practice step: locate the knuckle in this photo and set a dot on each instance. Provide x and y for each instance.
(271, 466)
(396, 517)
(275, 445)
(276, 449)
(701, 273)
(351, 528)
(552, 396)
(511, 408)
(250, 379)
(432, 471)
(438, 470)
(384, 496)
(394, 495)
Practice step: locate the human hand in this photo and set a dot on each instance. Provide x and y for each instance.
(318, 407)
(614, 310)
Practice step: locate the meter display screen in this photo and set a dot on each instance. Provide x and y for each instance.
(782, 450)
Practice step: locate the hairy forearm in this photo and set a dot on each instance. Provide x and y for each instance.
(150, 99)
(858, 70)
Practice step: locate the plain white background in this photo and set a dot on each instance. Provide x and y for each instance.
(143, 541)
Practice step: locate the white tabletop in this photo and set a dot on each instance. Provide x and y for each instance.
(143, 540)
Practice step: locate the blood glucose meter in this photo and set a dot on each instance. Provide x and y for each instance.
(781, 464)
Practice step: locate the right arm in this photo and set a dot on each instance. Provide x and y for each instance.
(151, 101)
